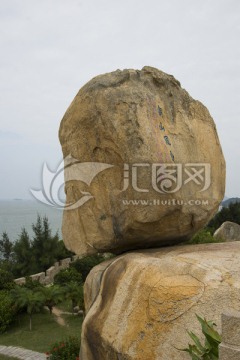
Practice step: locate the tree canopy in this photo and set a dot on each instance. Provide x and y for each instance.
(29, 256)
(230, 213)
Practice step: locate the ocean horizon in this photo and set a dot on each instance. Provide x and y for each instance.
(16, 214)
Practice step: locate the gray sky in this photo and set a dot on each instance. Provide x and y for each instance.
(50, 48)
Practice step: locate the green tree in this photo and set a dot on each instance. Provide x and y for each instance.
(52, 295)
(27, 299)
(230, 213)
(62, 252)
(65, 276)
(44, 245)
(23, 256)
(74, 292)
(6, 280)
(85, 265)
(6, 247)
(38, 254)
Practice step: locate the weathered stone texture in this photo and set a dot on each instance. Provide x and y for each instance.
(137, 117)
(228, 231)
(139, 305)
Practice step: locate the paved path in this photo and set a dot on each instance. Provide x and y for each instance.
(21, 353)
(58, 313)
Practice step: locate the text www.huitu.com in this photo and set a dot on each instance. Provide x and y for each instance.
(166, 202)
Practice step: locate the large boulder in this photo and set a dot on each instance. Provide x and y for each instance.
(141, 304)
(228, 231)
(144, 166)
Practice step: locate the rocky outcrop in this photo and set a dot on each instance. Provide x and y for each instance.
(228, 231)
(229, 348)
(139, 305)
(144, 163)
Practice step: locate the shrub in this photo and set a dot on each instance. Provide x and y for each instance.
(208, 351)
(85, 265)
(204, 236)
(6, 280)
(32, 284)
(65, 276)
(65, 350)
(7, 310)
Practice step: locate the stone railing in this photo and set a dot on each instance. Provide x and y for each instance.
(47, 277)
(230, 347)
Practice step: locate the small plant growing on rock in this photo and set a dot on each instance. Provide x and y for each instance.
(208, 351)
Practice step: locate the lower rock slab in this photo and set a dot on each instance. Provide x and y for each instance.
(141, 304)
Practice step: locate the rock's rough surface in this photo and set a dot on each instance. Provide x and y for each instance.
(139, 305)
(229, 348)
(228, 231)
(141, 119)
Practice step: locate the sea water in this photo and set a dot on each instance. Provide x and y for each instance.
(16, 214)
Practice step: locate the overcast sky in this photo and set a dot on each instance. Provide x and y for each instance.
(50, 48)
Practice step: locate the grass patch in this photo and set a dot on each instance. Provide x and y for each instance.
(45, 331)
(5, 357)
